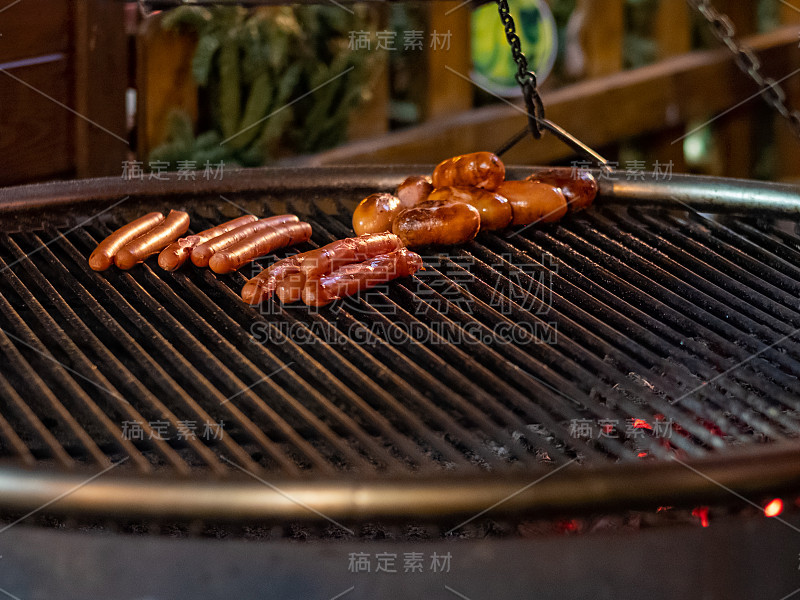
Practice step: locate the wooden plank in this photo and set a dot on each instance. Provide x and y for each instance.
(101, 66)
(672, 28)
(734, 132)
(595, 35)
(164, 80)
(787, 144)
(600, 112)
(789, 12)
(36, 132)
(372, 117)
(447, 46)
(672, 31)
(34, 28)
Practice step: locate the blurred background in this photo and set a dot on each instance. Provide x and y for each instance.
(103, 87)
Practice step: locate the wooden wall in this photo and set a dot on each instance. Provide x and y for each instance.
(63, 67)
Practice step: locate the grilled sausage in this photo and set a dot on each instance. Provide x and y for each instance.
(437, 222)
(202, 253)
(263, 242)
(351, 279)
(533, 201)
(263, 285)
(495, 210)
(578, 186)
(288, 276)
(103, 256)
(290, 288)
(375, 213)
(479, 169)
(155, 240)
(322, 261)
(413, 190)
(177, 253)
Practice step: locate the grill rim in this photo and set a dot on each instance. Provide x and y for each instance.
(736, 476)
(627, 485)
(700, 192)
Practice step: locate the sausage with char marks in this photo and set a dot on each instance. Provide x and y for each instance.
(443, 222)
(376, 213)
(353, 278)
(479, 169)
(495, 210)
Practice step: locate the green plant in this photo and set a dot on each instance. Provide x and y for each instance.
(270, 79)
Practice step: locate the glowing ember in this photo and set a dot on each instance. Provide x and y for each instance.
(567, 526)
(774, 508)
(641, 424)
(642, 454)
(701, 512)
(663, 508)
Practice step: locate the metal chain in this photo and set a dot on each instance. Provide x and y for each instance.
(724, 30)
(524, 76)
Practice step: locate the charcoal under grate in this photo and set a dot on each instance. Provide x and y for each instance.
(614, 341)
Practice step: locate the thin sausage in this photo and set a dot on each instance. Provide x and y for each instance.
(578, 186)
(479, 169)
(263, 242)
(534, 201)
(353, 278)
(495, 210)
(177, 253)
(376, 213)
(155, 240)
(437, 222)
(103, 256)
(202, 253)
(263, 285)
(343, 252)
(413, 190)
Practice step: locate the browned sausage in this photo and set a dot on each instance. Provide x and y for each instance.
(263, 242)
(202, 253)
(578, 186)
(351, 279)
(534, 201)
(375, 213)
(290, 288)
(344, 252)
(479, 169)
(177, 253)
(103, 256)
(495, 210)
(155, 240)
(263, 285)
(437, 222)
(413, 190)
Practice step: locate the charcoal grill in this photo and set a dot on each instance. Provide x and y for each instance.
(638, 313)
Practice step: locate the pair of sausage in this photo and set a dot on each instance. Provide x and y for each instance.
(339, 269)
(134, 242)
(235, 247)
